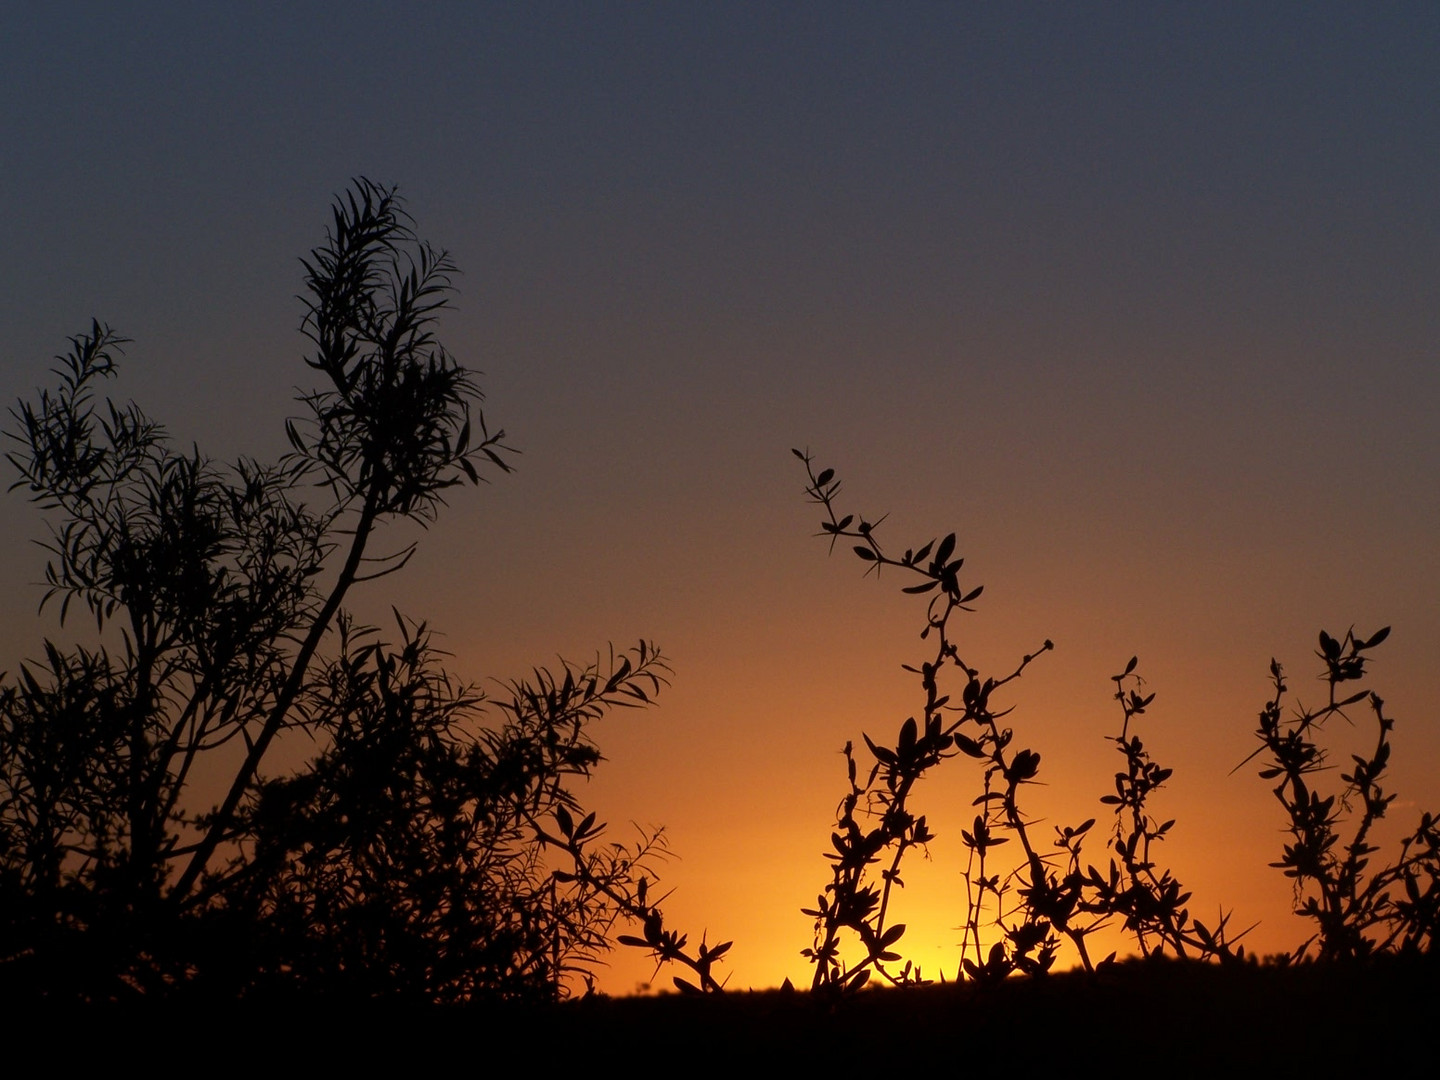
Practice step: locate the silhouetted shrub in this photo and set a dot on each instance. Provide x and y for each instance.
(408, 858)
(1357, 909)
(1018, 912)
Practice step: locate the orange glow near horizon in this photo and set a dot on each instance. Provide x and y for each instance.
(745, 869)
(740, 760)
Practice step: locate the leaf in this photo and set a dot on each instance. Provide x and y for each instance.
(969, 746)
(945, 550)
(881, 754)
(864, 552)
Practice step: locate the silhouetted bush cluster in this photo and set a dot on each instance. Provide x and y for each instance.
(1018, 910)
(408, 858)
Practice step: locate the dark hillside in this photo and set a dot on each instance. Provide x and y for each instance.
(1141, 1017)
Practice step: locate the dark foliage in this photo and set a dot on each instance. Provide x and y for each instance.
(408, 858)
(431, 849)
(1017, 911)
(1357, 909)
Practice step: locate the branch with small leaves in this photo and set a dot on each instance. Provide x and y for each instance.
(1352, 905)
(874, 822)
(621, 876)
(1151, 902)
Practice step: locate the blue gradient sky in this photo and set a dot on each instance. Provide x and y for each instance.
(1140, 299)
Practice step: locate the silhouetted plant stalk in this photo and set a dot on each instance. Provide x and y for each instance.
(1355, 909)
(1150, 902)
(875, 822)
(614, 882)
(1016, 916)
(388, 437)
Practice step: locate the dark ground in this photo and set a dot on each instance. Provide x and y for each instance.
(1140, 1019)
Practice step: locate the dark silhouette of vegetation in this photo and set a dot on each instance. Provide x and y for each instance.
(1018, 913)
(1357, 910)
(875, 823)
(610, 881)
(1151, 904)
(431, 848)
(408, 858)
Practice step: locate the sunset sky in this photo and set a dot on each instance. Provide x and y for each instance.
(1140, 300)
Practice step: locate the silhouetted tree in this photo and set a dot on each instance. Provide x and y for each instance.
(408, 857)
